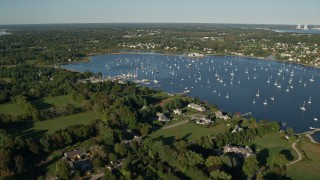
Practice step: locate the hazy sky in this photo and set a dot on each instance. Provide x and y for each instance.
(186, 11)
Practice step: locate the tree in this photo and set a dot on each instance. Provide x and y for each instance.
(19, 163)
(217, 174)
(290, 131)
(145, 129)
(279, 160)
(250, 166)
(63, 169)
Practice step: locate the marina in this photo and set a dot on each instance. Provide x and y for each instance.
(270, 90)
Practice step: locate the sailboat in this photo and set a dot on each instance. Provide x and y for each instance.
(288, 89)
(246, 70)
(254, 101)
(258, 94)
(227, 96)
(265, 102)
(312, 79)
(309, 101)
(303, 108)
(272, 98)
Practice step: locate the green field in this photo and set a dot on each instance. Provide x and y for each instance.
(10, 108)
(60, 101)
(8, 80)
(189, 131)
(275, 143)
(52, 125)
(308, 168)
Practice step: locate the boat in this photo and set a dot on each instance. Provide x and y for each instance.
(279, 85)
(265, 102)
(303, 108)
(288, 89)
(312, 79)
(315, 119)
(272, 98)
(309, 101)
(258, 94)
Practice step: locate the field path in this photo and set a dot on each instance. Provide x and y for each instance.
(177, 124)
(298, 152)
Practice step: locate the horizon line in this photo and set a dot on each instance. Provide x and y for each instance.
(64, 23)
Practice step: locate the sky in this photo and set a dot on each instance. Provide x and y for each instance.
(160, 11)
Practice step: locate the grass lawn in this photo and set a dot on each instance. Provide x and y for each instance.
(49, 126)
(10, 108)
(60, 101)
(8, 80)
(189, 131)
(309, 166)
(275, 144)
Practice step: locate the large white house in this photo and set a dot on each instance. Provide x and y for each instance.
(196, 107)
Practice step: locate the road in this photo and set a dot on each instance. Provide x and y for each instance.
(298, 152)
(174, 125)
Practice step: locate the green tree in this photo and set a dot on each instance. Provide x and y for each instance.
(63, 169)
(250, 166)
(221, 175)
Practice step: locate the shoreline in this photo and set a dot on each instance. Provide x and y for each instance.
(311, 138)
(88, 57)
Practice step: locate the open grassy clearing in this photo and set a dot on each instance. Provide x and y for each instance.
(61, 101)
(308, 168)
(189, 131)
(274, 143)
(7, 80)
(11, 108)
(49, 126)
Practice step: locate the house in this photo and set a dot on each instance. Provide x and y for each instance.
(200, 119)
(238, 150)
(220, 115)
(203, 121)
(76, 154)
(196, 107)
(162, 117)
(237, 129)
(79, 159)
(177, 111)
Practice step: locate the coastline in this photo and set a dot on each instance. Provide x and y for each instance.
(87, 58)
(311, 138)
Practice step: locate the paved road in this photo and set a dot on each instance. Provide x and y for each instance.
(174, 125)
(298, 152)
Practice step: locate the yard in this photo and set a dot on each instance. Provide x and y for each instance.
(61, 101)
(189, 131)
(273, 144)
(10, 108)
(309, 166)
(49, 126)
